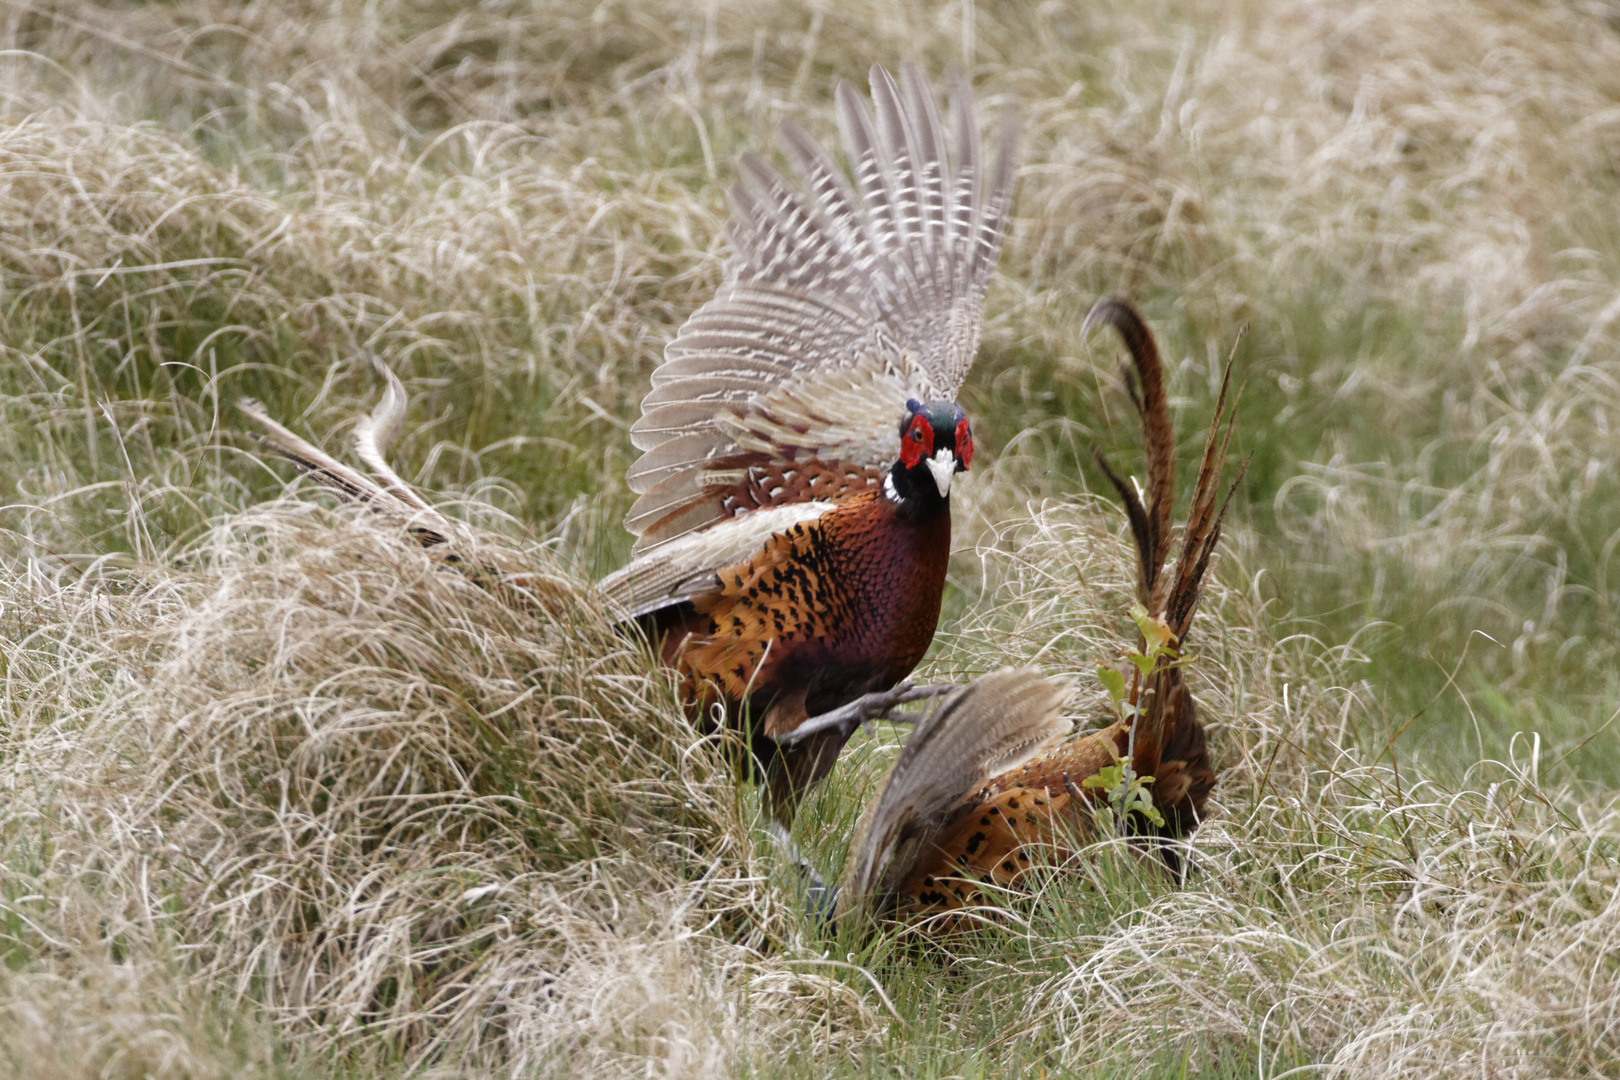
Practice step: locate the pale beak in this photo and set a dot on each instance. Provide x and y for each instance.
(943, 466)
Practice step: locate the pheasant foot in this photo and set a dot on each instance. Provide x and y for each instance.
(878, 705)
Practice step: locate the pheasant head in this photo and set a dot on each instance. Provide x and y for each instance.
(936, 443)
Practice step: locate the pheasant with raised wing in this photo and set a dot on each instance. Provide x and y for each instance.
(802, 436)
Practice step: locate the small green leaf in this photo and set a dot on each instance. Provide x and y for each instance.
(1156, 632)
(1113, 681)
(1105, 778)
(1141, 801)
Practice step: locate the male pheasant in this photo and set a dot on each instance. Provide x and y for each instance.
(801, 435)
(984, 780)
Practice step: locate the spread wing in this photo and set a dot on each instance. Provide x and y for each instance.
(994, 724)
(838, 304)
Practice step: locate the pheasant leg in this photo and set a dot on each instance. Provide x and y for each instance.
(878, 705)
(805, 755)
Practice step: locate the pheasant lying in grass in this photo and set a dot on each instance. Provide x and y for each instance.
(801, 435)
(984, 780)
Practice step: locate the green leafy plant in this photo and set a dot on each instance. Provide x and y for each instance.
(1126, 792)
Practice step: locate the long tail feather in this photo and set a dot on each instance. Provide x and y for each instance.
(1158, 438)
(1204, 519)
(374, 433)
(314, 461)
(1169, 742)
(1142, 529)
(385, 492)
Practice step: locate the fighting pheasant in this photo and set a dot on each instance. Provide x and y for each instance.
(984, 780)
(801, 436)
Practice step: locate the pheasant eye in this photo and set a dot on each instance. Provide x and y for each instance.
(964, 443)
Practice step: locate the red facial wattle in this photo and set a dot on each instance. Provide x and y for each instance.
(964, 444)
(918, 442)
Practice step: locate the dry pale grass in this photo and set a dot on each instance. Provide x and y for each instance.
(283, 795)
(1375, 926)
(310, 768)
(1344, 911)
(1413, 206)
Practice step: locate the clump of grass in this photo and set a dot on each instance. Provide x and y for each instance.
(393, 810)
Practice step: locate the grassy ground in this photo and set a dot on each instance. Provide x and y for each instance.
(282, 800)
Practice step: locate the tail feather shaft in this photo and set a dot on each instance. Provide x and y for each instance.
(384, 491)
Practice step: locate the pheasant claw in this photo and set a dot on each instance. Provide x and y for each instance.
(879, 705)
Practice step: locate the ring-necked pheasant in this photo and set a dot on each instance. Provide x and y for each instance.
(979, 783)
(802, 433)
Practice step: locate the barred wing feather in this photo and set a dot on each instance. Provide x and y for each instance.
(838, 304)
